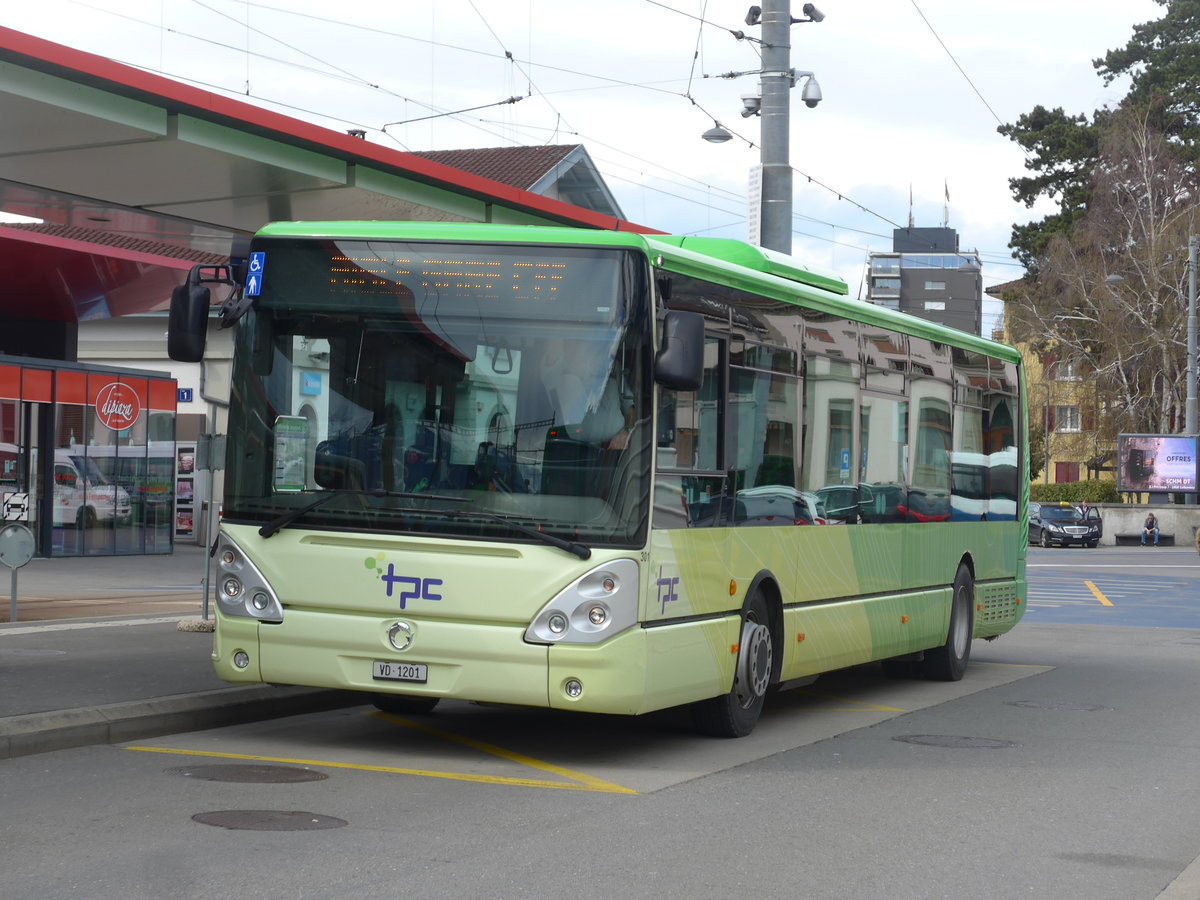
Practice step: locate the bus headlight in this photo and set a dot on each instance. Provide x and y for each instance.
(244, 591)
(591, 609)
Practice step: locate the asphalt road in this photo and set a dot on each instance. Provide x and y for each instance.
(1151, 587)
(1064, 765)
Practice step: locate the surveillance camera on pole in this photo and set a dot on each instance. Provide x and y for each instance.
(811, 93)
(814, 14)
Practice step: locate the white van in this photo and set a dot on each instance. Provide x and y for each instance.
(82, 495)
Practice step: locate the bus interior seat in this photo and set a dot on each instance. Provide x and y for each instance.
(568, 465)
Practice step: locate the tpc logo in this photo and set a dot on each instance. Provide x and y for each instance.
(413, 588)
(666, 589)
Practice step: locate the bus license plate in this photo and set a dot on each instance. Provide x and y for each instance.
(393, 671)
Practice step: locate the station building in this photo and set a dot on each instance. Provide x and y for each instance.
(124, 180)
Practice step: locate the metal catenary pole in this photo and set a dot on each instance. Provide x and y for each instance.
(776, 83)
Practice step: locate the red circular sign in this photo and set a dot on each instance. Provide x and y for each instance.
(117, 406)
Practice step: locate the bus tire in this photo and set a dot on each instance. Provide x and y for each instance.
(86, 518)
(949, 661)
(404, 704)
(735, 714)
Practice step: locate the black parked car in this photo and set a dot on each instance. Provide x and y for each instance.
(1063, 524)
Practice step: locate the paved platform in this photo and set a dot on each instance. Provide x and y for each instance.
(97, 654)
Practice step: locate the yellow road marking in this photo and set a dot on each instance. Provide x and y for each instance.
(1096, 593)
(855, 704)
(392, 770)
(591, 783)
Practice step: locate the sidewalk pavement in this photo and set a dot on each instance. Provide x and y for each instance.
(110, 649)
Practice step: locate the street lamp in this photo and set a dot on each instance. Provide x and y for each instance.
(1046, 437)
(718, 134)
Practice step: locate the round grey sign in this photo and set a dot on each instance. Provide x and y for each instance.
(16, 545)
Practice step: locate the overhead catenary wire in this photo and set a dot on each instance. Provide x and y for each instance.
(325, 69)
(961, 70)
(841, 195)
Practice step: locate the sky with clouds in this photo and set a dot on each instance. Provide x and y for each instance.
(913, 91)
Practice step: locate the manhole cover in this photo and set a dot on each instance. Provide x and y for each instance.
(1057, 704)
(954, 741)
(30, 651)
(268, 820)
(249, 774)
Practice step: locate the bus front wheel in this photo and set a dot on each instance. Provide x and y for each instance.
(404, 704)
(735, 714)
(949, 661)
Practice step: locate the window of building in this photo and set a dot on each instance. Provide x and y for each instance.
(935, 305)
(885, 285)
(1066, 418)
(1066, 370)
(935, 285)
(1066, 471)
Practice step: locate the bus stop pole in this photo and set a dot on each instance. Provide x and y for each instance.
(16, 549)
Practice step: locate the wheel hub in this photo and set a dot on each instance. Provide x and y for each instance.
(754, 662)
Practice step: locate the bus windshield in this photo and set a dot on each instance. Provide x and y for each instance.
(421, 383)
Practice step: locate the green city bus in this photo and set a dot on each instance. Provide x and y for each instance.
(597, 471)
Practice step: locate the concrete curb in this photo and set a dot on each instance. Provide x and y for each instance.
(118, 722)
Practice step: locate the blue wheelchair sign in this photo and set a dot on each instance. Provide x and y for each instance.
(254, 273)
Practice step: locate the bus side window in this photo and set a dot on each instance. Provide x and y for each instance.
(689, 492)
(832, 382)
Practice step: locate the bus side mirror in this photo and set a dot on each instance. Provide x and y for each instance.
(679, 365)
(187, 323)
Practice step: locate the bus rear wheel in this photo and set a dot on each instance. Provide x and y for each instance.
(949, 661)
(735, 714)
(404, 704)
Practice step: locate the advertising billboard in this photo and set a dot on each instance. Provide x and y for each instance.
(1156, 462)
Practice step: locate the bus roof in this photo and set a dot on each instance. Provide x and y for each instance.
(733, 262)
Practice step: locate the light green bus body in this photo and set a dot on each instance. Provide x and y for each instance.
(844, 595)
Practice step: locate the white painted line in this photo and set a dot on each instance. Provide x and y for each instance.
(1110, 566)
(80, 626)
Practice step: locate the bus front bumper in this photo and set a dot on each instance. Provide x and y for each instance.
(459, 660)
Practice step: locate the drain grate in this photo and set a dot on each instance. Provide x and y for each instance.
(954, 741)
(1058, 704)
(268, 820)
(249, 774)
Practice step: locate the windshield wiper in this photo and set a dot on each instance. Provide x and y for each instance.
(285, 519)
(561, 543)
(553, 540)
